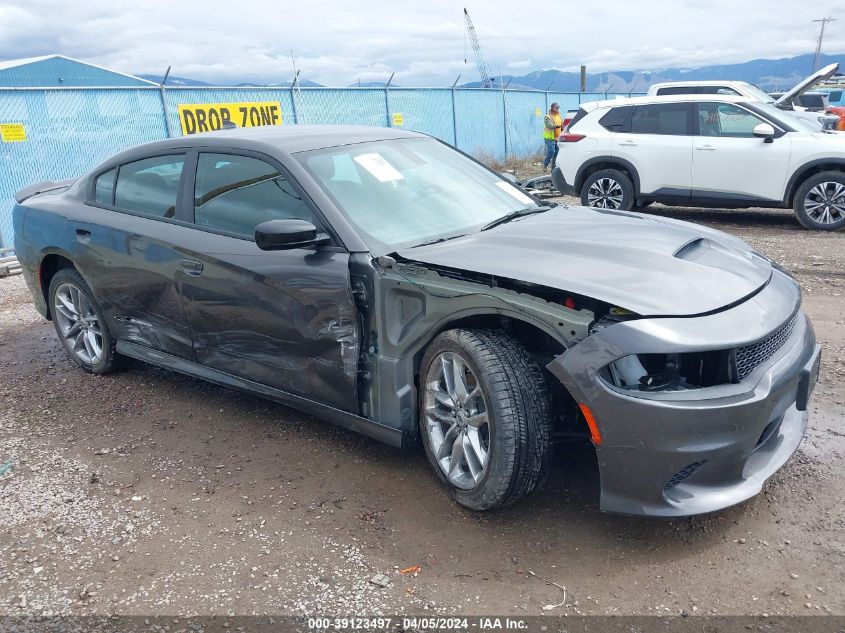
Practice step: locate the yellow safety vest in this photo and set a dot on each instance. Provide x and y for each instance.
(549, 134)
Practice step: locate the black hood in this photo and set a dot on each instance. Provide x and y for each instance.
(648, 265)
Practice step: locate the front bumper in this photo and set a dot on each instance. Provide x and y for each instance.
(688, 452)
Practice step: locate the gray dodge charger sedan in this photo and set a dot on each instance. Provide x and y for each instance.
(390, 284)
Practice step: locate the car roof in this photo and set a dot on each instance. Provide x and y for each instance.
(620, 101)
(287, 138)
(704, 82)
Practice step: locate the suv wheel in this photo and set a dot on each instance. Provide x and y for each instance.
(608, 189)
(820, 201)
(484, 417)
(80, 323)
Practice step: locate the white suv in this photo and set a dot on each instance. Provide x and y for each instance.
(702, 150)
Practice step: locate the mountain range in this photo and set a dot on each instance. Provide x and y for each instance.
(768, 74)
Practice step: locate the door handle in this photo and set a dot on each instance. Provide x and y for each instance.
(83, 235)
(705, 148)
(192, 267)
(627, 144)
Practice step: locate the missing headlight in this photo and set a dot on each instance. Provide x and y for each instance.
(669, 372)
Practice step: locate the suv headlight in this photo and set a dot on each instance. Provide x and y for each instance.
(669, 372)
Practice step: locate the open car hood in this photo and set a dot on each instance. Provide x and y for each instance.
(802, 86)
(651, 266)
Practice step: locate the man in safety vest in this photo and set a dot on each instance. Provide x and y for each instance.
(552, 127)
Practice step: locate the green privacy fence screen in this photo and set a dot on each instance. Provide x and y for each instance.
(70, 130)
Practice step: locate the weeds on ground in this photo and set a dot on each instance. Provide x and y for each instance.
(521, 167)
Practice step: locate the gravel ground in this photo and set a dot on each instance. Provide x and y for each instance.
(150, 493)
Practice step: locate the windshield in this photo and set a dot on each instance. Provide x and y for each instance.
(785, 118)
(755, 93)
(405, 192)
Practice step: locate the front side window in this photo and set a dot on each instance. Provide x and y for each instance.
(237, 193)
(661, 118)
(150, 186)
(725, 119)
(719, 90)
(104, 187)
(405, 192)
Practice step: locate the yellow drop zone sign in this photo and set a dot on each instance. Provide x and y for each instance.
(12, 132)
(206, 117)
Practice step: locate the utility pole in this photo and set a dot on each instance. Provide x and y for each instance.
(824, 21)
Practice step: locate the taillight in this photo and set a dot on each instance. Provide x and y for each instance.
(570, 138)
(566, 123)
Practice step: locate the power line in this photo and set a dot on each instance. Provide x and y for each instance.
(824, 21)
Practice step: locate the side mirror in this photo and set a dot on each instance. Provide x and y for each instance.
(764, 131)
(279, 235)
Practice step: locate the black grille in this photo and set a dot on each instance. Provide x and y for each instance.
(748, 357)
(682, 474)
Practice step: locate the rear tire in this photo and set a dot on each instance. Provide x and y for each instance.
(485, 417)
(608, 189)
(80, 323)
(820, 202)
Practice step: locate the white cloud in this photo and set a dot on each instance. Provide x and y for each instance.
(423, 43)
(518, 64)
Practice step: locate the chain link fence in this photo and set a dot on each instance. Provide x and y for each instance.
(70, 130)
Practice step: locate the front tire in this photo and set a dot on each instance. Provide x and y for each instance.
(484, 417)
(80, 324)
(820, 202)
(608, 189)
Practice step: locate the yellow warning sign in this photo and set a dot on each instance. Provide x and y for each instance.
(12, 132)
(207, 117)
(398, 119)
(538, 112)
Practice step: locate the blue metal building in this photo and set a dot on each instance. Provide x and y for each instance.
(57, 71)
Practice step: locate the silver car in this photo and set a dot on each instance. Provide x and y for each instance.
(384, 281)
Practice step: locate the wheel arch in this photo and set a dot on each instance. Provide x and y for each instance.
(528, 331)
(606, 162)
(51, 263)
(808, 170)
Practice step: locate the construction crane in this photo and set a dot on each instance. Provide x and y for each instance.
(480, 60)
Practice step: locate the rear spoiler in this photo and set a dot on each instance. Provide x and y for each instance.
(42, 187)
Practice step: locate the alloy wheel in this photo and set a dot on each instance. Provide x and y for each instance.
(78, 323)
(605, 193)
(825, 203)
(456, 420)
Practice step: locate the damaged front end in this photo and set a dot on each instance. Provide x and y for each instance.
(404, 304)
(694, 414)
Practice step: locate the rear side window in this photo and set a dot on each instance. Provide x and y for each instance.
(617, 119)
(237, 193)
(678, 90)
(104, 187)
(150, 186)
(662, 118)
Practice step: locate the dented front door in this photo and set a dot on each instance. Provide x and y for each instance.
(281, 318)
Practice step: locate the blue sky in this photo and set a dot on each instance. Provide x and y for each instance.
(338, 42)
